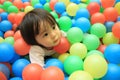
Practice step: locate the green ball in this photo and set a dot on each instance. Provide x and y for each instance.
(46, 7)
(82, 5)
(1, 6)
(73, 63)
(9, 40)
(34, 2)
(91, 41)
(109, 38)
(74, 35)
(98, 29)
(12, 9)
(65, 23)
(6, 4)
(54, 14)
(1, 40)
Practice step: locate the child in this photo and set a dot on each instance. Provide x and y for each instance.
(40, 30)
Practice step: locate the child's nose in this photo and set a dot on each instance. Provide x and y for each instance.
(53, 34)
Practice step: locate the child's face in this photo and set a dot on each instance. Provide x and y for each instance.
(49, 37)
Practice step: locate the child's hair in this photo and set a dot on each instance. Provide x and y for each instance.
(32, 22)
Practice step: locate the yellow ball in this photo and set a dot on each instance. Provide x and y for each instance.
(117, 7)
(63, 56)
(1, 40)
(28, 9)
(80, 75)
(72, 9)
(66, 2)
(95, 65)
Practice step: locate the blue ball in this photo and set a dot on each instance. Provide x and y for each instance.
(54, 62)
(83, 23)
(42, 1)
(98, 1)
(16, 78)
(25, 1)
(15, 57)
(83, 12)
(18, 66)
(1, 34)
(66, 78)
(113, 72)
(60, 7)
(112, 53)
(4, 16)
(7, 52)
(5, 70)
(38, 5)
(75, 1)
(118, 19)
(5, 25)
(109, 25)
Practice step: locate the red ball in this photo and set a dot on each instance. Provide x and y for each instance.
(52, 3)
(9, 33)
(107, 3)
(18, 4)
(110, 14)
(11, 17)
(21, 47)
(2, 76)
(93, 7)
(97, 18)
(116, 29)
(101, 48)
(17, 35)
(63, 46)
(52, 73)
(32, 72)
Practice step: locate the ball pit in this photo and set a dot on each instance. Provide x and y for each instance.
(92, 28)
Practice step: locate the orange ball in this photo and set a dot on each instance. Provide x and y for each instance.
(63, 46)
(107, 3)
(32, 72)
(93, 7)
(52, 73)
(97, 18)
(52, 3)
(110, 14)
(101, 48)
(11, 17)
(18, 3)
(9, 33)
(17, 35)
(1, 10)
(116, 29)
(21, 47)
(2, 76)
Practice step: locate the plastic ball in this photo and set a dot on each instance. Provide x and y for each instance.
(81, 75)
(18, 4)
(83, 12)
(59, 7)
(83, 23)
(98, 18)
(28, 8)
(54, 62)
(17, 35)
(1, 34)
(70, 61)
(113, 72)
(109, 38)
(116, 29)
(16, 78)
(9, 40)
(54, 14)
(33, 2)
(112, 53)
(18, 66)
(78, 49)
(11, 17)
(32, 72)
(82, 5)
(63, 46)
(3, 15)
(93, 7)
(5, 70)
(23, 47)
(42, 1)
(2, 76)
(109, 25)
(72, 10)
(9, 33)
(12, 9)
(16, 57)
(65, 1)
(6, 4)
(102, 48)
(65, 23)
(52, 3)
(117, 7)
(74, 35)
(52, 73)
(98, 29)
(25, 4)
(91, 41)
(63, 56)
(38, 5)
(46, 7)
(7, 52)
(110, 14)
(106, 4)
(1, 40)
(5, 25)
(95, 65)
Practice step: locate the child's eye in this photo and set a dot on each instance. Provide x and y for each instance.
(53, 27)
(46, 34)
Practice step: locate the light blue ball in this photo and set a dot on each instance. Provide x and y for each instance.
(4, 16)
(16, 78)
(42, 1)
(1, 34)
(109, 25)
(38, 5)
